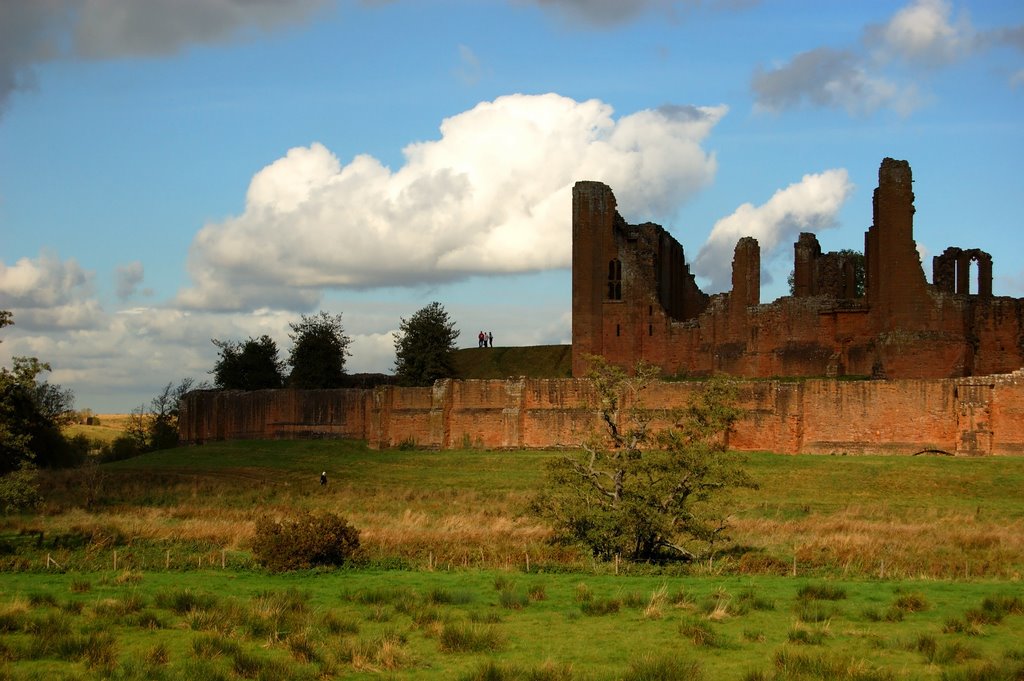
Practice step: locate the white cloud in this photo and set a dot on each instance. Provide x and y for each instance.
(47, 293)
(922, 32)
(128, 279)
(806, 206)
(492, 195)
(829, 78)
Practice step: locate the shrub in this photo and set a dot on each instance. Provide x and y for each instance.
(442, 596)
(463, 637)
(335, 625)
(80, 586)
(601, 606)
(122, 448)
(750, 598)
(513, 600)
(181, 601)
(821, 592)
(811, 611)
(910, 602)
(805, 636)
(304, 541)
(663, 668)
(701, 634)
(493, 671)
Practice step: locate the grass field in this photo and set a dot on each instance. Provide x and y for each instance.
(503, 625)
(843, 567)
(109, 428)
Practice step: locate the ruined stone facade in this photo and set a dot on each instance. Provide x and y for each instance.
(634, 298)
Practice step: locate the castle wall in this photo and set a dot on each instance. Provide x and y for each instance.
(274, 414)
(968, 416)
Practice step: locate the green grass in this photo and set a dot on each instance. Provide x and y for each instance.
(905, 568)
(325, 624)
(539, 361)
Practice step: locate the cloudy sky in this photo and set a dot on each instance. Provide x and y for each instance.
(173, 171)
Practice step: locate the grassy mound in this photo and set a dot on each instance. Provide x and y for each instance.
(538, 361)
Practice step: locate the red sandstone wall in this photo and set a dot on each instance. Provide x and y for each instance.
(273, 414)
(977, 415)
(901, 417)
(1007, 415)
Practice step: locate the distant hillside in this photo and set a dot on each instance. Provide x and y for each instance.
(538, 361)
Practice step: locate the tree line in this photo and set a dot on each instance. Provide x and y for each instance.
(424, 345)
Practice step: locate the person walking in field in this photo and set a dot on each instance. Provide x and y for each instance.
(323, 479)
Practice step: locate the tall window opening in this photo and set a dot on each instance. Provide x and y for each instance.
(615, 279)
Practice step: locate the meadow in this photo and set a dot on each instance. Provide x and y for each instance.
(841, 567)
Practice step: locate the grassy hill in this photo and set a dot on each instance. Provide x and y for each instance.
(538, 361)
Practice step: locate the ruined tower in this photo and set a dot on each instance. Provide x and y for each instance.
(634, 298)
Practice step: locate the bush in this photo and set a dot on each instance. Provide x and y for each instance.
(821, 592)
(122, 448)
(304, 541)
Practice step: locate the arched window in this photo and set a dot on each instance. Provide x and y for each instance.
(615, 279)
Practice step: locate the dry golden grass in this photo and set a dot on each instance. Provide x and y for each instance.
(435, 510)
(934, 545)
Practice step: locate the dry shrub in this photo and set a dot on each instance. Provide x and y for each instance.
(754, 563)
(656, 606)
(304, 541)
(385, 652)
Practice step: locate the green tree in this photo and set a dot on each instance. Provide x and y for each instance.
(424, 346)
(859, 270)
(31, 413)
(856, 258)
(162, 430)
(642, 493)
(319, 348)
(249, 365)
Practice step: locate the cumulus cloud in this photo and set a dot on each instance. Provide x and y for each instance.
(924, 32)
(829, 78)
(492, 195)
(809, 205)
(128, 279)
(32, 31)
(47, 293)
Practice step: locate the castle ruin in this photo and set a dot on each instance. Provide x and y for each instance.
(634, 298)
(953, 357)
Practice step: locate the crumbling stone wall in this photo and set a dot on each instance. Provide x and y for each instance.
(966, 416)
(903, 327)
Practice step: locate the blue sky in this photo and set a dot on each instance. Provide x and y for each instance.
(173, 171)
